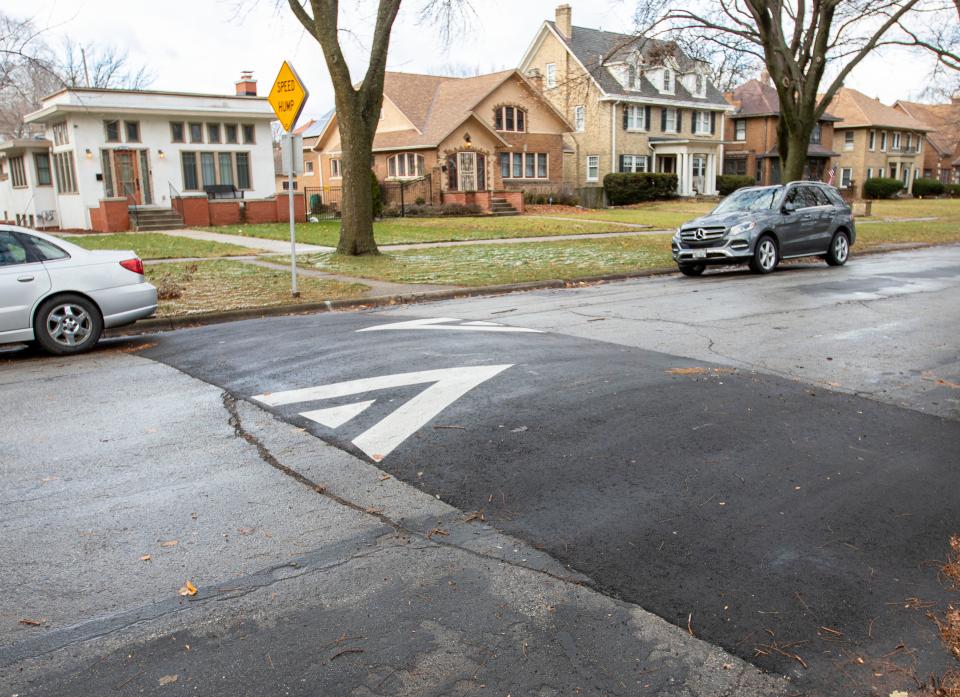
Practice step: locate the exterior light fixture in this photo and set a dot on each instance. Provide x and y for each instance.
(89, 153)
(161, 154)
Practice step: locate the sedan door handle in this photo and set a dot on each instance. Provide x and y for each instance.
(25, 279)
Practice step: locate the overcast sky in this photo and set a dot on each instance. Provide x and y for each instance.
(202, 45)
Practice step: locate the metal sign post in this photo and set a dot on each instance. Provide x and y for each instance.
(288, 97)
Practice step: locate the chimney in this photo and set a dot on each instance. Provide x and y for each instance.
(565, 20)
(246, 85)
(536, 78)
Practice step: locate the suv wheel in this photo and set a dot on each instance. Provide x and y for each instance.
(692, 269)
(68, 324)
(839, 250)
(766, 256)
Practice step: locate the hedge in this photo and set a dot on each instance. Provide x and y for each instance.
(927, 187)
(728, 183)
(557, 198)
(953, 190)
(881, 187)
(626, 188)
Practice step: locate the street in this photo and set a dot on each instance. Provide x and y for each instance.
(726, 485)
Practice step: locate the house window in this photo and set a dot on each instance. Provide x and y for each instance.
(18, 173)
(112, 131)
(308, 167)
(64, 171)
(895, 145)
(61, 136)
(225, 171)
(846, 176)
(335, 168)
(699, 84)
(579, 118)
(404, 166)
(919, 142)
(593, 168)
(909, 141)
(869, 172)
(740, 129)
(872, 144)
(107, 173)
(883, 141)
(633, 163)
(698, 165)
(213, 132)
(816, 135)
(701, 122)
(668, 120)
(208, 169)
(188, 162)
(42, 162)
(132, 130)
(176, 132)
(243, 170)
(286, 185)
(848, 140)
(230, 133)
(551, 75)
(249, 135)
(735, 165)
(632, 77)
(668, 80)
(880, 172)
(510, 118)
(523, 165)
(196, 132)
(636, 118)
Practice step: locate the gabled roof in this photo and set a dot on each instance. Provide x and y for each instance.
(596, 50)
(436, 105)
(858, 110)
(759, 98)
(945, 118)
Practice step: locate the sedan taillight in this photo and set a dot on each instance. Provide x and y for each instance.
(134, 265)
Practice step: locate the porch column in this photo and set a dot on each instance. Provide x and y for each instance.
(711, 186)
(681, 174)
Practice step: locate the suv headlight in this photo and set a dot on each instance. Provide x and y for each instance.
(743, 227)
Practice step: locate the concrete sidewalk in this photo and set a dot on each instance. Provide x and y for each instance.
(317, 573)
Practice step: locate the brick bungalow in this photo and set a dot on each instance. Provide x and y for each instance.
(475, 139)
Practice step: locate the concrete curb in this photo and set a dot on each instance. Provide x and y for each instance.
(163, 324)
(150, 326)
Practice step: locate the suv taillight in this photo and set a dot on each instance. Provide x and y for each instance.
(134, 265)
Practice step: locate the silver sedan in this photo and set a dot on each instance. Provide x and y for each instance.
(63, 296)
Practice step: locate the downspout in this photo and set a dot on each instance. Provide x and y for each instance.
(613, 137)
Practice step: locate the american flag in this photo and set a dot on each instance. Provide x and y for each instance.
(831, 174)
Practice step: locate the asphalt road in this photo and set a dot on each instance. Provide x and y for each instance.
(792, 524)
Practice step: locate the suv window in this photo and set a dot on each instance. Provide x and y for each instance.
(801, 197)
(11, 250)
(835, 197)
(45, 251)
(819, 196)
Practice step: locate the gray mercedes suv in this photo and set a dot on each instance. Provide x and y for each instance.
(760, 225)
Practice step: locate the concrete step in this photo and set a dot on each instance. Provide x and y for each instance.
(501, 214)
(161, 226)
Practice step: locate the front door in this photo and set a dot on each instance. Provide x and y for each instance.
(467, 168)
(667, 164)
(128, 175)
(698, 165)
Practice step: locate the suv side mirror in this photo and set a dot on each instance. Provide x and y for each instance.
(789, 207)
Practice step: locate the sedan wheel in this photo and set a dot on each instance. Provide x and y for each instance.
(68, 324)
(839, 250)
(766, 256)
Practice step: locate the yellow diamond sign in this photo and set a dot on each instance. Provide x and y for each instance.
(287, 96)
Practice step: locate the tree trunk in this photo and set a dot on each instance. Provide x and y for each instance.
(356, 223)
(793, 140)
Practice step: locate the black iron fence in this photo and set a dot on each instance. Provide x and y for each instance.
(326, 201)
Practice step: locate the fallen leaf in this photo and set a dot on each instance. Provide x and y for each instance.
(383, 477)
(170, 543)
(167, 679)
(437, 531)
(48, 479)
(188, 589)
(146, 557)
(687, 371)
(245, 531)
(32, 623)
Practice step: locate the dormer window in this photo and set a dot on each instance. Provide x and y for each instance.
(632, 81)
(510, 118)
(667, 80)
(699, 84)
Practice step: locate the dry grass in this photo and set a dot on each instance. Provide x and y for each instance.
(949, 624)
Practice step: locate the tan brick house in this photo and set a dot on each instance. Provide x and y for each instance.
(476, 138)
(875, 140)
(636, 104)
(751, 136)
(941, 160)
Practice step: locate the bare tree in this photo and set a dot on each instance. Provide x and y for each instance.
(358, 106)
(802, 42)
(107, 67)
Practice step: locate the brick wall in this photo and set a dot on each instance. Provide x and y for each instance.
(260, 211)
(283, 208)
(552, 144)
(194, 210)
(224, 212)
(112, 215)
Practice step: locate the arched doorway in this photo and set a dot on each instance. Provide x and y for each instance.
(467, 171)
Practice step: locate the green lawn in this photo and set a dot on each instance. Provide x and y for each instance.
(933, 232)
(411, 230)
(152, 245)
(493, 264)
(664, 215)
(209, 286)
(946, 209)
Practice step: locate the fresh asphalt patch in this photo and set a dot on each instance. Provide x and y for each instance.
(796, 527)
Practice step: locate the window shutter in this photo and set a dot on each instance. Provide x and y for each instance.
(626, 116)
(713, 122)
(646, 120)
(620, 168)
(663, 118)
(679, 120)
